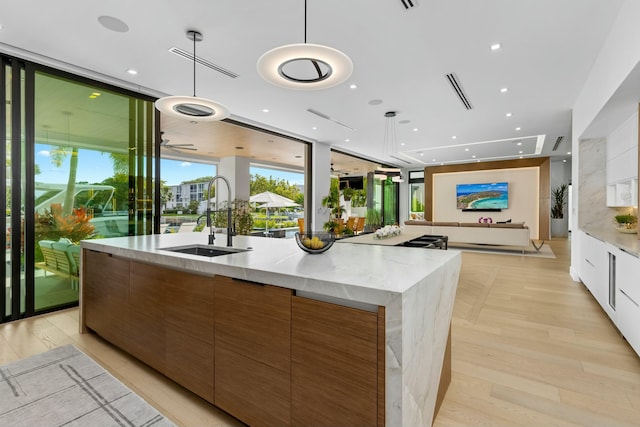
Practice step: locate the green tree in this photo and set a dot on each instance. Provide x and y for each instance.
(260, 184)
(193, 206)
(120, 182)
(165, 193)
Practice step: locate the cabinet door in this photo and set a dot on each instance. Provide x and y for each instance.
(593, 267)
(105, 291)
(334, 364)
(146, 308)
(189, 326)
(253, 351)
(628, 301)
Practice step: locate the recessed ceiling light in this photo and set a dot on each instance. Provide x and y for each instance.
(314, 128)
(569, 152)
(353, 86)
(564, 161)
(441, 163)
(347, 140)
(473, 157)
(504, 90)
(402, 144)
(519, 143)
(132, 71)
(433, 160)
(1, 27)
(265, 110)
(466, 149)
(520, 152)
(422, 154)
(453, 137)
(518, 128)
(415, 129)
(496, 46)
(508, 114)
(521, 157)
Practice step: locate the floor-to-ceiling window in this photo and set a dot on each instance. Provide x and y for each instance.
(80, 162)
(416, 195)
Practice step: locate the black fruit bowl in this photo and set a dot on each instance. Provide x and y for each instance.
(315, 243)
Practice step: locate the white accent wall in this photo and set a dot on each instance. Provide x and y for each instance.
(523, 196)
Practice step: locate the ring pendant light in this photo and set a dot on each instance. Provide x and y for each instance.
(305, 66)
(390, 146)
(192, 107)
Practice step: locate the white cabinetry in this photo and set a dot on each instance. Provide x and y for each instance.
(628, 297)
(593, 266)
(622, 164)
(612, 275)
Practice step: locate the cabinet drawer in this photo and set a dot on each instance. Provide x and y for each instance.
(628, 319)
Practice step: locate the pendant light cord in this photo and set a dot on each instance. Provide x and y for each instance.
(305, 21)
(194, 64)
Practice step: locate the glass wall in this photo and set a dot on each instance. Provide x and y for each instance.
(416, 195)
(80, 161)
(183, 194)
(92, 177)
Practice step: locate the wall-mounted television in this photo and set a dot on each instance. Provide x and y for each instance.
(486, 196)
(355, 182)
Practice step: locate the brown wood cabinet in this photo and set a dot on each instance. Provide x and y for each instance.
(335, 365)
(253, 351)
(147, 314)
(257, 351)
(106, 296)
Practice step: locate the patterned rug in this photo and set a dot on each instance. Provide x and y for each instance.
(64, 386)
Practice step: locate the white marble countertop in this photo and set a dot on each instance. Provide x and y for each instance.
(373, 274)
(627, 242)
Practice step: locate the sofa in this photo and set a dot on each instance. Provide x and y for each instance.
(504, 234)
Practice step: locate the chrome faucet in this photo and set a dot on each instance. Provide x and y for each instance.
(209, 221)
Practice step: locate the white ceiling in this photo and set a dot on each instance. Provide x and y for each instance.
(400, 57)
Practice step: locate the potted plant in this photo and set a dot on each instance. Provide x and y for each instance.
(373, 220)
(559, 224)
(627, 223)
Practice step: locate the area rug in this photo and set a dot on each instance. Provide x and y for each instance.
(64, 387)
(544, 252)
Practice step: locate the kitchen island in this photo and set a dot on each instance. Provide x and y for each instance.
(359, 329)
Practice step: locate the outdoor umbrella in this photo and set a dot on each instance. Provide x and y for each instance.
(271, 200)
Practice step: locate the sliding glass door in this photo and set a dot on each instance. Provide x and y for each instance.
(80, 161)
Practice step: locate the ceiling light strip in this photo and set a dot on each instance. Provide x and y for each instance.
(203, 62)
(331, 119)
(457, 87)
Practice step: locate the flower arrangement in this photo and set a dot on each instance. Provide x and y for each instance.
(387, 231)
(53, 224)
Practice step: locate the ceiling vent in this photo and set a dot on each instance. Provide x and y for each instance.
(457, 87)
(187, 55)
(558, 141)
(408, 4)
(400, 159)
(331, 119)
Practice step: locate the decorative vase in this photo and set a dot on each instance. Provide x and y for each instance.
(559, 227)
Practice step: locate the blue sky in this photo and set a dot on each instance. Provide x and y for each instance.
(95, 167)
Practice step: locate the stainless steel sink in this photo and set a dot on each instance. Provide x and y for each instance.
(204, 250)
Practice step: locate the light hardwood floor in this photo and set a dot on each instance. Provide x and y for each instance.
(530, 348)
